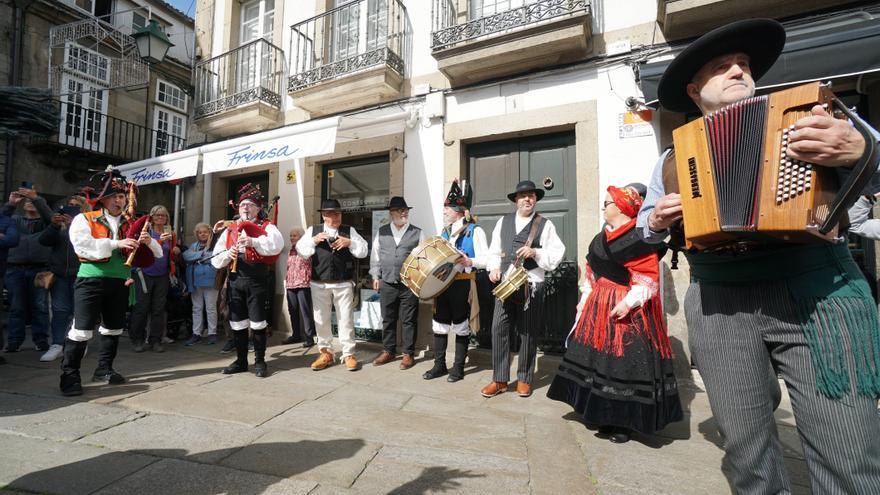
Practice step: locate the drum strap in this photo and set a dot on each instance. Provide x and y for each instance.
(536, 224)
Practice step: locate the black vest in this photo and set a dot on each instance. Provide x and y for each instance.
(606, 259)
(328, 265)
(511, 243)
(392, 256)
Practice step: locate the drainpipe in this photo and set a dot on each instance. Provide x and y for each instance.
(18, 8)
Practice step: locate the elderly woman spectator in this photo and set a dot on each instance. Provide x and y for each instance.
(299, 294)
(200, 281)
(152, 283)
(64, 265)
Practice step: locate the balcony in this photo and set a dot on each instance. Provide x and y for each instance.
(87, 135)
(689, 18)
(348, 57)
(240, 90)
(475, 40)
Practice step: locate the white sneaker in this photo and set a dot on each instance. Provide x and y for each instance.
(167, 340)
(53, 353)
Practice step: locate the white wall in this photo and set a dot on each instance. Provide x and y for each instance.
(423, 174)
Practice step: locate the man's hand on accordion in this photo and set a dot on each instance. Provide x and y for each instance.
(666, 212)
(824, 140)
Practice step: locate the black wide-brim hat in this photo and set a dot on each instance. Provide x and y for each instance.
(761, 39)
(526, 186)
(398, 202)
(330, 205)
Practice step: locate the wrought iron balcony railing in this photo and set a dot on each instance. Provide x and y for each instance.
(251, 72)
(355, 36)
(90, 130)
(457, 21)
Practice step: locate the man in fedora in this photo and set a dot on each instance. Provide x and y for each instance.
(805, 310)
(333, 246)
(522, 237)
(391, 245)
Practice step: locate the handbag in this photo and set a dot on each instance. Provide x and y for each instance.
(44, 280)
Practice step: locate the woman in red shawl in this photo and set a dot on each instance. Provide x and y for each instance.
(617, 371)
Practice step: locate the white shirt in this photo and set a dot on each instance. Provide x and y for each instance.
(548, 256)
(266, 245)
(306, 248)
(87, 247)
(397, 234)
(481, 246)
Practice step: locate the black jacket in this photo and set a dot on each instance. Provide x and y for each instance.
(62, 261)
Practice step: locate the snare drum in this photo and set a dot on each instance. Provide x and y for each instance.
(430, 269)
(512, 283)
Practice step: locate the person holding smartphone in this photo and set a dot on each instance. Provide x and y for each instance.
(151, 286)
(64, 265)
(25, 261)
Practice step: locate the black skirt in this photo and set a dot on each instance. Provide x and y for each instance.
(631, 387)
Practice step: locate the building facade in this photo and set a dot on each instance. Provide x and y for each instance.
(419, 92)
(112, 107)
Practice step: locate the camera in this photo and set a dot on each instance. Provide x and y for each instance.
(26, 184)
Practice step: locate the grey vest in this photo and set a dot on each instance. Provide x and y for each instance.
(391, 256)
(511, 241)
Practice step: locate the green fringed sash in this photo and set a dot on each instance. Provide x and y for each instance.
(827, 288)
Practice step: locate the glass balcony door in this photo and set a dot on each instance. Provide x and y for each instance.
(254, 64)
(82, 114)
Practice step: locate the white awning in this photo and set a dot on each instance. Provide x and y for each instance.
(177, 165)
(317, 137)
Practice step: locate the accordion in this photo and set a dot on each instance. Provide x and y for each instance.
(738, 185)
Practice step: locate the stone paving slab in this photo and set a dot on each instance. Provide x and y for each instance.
(181, 437)
(57, 419)
(556, 464)
(176, 476)
(417, 469)
(187, 400)
(280, 384)
(333, 461)
(396, 427)
(45, 466)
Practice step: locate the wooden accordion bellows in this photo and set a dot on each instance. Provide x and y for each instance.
(738, 185)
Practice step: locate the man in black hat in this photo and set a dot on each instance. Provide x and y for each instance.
(805, 310)
(528, 239)
(391, 245)
(255, 249)
(333, 246)
(100, 295)
(457, 308)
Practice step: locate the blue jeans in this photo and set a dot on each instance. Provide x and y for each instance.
(62, 308)
(27, 305)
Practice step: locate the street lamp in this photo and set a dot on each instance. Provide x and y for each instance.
(152, 42)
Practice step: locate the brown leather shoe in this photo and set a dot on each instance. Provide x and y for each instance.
(384, 358)
(324, 360)
(493, 389)
(351, 363)
(407, 362)
(523, 389)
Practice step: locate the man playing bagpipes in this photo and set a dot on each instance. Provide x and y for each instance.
(250, 246)
(108, 244)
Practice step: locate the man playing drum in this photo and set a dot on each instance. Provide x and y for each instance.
(333, 246)
(391, 245)
(527, 239)
(452, 308)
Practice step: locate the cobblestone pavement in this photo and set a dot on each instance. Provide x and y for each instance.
(179, 426)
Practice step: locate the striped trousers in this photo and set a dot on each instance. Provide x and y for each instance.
(527, 323)
(735, 334)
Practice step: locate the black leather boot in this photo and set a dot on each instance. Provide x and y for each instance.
(461, 349)
(240, 365)
(71, 384)
(107, 353)
(439, 369)
(260, 368)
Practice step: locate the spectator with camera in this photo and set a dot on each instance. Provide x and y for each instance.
(25, 261)
(152, 284)
(8, 239)
(63, 266)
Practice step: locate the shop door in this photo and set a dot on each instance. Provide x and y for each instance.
(494, 169)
